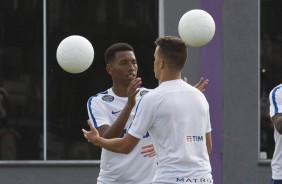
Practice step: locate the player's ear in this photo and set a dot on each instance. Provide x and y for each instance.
(109, 68)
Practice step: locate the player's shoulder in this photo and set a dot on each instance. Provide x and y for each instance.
(151, 94)
(143, 91)
(277, 90)
(104, 96)
(278, 87)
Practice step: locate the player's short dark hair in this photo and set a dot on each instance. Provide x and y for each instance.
(173, 50)
(117, 47)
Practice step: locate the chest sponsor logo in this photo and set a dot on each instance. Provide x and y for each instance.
(108, 98)
(194, 138)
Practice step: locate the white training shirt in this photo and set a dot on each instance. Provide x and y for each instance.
(275, 98)
(176, 116)
(116, 168)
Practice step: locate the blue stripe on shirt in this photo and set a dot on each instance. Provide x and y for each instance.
(274, 101)
(89, 107)
(90, 112)
(135, 112)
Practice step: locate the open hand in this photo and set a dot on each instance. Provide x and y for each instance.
(148, 151)
(201, 85)
(132, 91)
(91, 135)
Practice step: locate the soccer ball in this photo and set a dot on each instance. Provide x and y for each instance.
(196, 27)
(75, 54)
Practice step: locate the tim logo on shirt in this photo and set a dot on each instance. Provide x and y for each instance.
(194, 138)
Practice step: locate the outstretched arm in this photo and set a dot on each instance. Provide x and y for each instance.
(119, 145)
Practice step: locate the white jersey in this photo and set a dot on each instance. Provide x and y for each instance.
(116, 168)
(275, 98)
(176, 116)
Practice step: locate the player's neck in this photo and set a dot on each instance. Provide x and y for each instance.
(120, 90)
(169, 76)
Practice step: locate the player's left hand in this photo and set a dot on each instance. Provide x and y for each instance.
(132, 91)
(91, 135)
(148, 151)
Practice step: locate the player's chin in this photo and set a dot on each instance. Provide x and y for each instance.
(128, 81)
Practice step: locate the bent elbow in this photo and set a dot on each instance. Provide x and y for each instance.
(126, 149)
(279, 128)
(126, 152)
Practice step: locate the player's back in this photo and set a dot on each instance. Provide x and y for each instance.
(178, 133)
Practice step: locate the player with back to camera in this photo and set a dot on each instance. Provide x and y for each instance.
(175, 114)
(275, 98)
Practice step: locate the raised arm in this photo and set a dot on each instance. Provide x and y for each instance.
(116, 129)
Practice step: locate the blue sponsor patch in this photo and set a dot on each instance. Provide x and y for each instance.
(108, 98)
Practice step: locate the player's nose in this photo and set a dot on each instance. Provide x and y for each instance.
(131, 66)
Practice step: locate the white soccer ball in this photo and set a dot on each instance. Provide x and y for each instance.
(75, 54)
(196, 27)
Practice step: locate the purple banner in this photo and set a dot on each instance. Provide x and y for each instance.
(211, 62)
